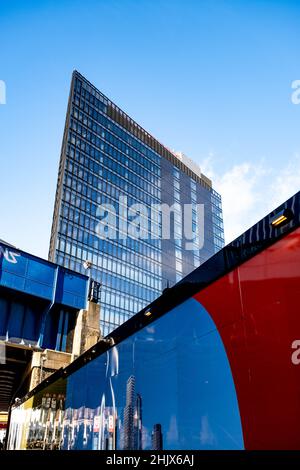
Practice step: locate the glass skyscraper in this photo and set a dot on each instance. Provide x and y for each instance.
(107, 158)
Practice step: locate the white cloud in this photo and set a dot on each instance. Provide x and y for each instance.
(249, 191)
(287, 181)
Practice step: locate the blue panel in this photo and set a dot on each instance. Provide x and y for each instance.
(11, 280)
(168, 386)
(37, 289)
(30, 327)
(71, 289)
(176, 371)
(3, 318)
(40, 271)
(16, 320)
(25, 273)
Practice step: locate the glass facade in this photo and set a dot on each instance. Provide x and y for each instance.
(107, 156)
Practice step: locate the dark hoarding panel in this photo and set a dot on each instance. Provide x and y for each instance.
(170, 383)
(167, 374)
(214, 366)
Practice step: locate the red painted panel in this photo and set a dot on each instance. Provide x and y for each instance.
(256, 310)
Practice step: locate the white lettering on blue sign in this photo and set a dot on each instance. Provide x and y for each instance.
(10, 256)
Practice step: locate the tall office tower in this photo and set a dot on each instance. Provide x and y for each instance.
(138, 423)
(108, 159)
(157, 437)
(129, 411)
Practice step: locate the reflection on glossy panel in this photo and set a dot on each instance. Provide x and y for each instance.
(167, 387)
(216, 372)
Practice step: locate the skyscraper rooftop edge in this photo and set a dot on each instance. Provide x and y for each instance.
(176, 158)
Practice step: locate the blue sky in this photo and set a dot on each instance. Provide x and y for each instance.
(209, 78)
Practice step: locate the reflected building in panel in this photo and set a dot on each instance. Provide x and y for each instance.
(138, 423)
(129, 410)
(108, 428)
(88, 428)
(157, 437)
(133, 424)
(107, 419)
